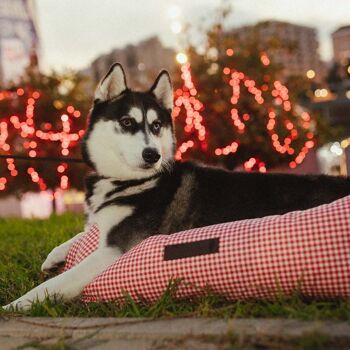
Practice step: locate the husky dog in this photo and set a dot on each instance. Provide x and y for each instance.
(138, 189)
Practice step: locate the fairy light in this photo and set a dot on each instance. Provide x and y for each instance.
(264, 59)
(64, 182)
(181, 58)
(229, 52)
(20, 92)
(232, 148)
(176, 27)
(32, 135)
(186, 97)
(280, 104)
(310, 74)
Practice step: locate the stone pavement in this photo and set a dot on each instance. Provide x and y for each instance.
(176, 333)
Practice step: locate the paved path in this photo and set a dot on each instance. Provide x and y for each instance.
(178, 333)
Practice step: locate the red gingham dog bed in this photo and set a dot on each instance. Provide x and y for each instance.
(305, 251)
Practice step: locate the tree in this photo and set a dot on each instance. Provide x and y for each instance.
(233, 110)
(43, 116)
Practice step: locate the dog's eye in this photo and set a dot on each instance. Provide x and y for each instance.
(156, 125)
(126, 122)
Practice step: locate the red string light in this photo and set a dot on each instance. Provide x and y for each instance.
(186, 97)
(31, 135)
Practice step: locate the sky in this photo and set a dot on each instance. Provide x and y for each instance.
(75, 32)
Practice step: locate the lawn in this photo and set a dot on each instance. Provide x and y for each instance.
(24, 244)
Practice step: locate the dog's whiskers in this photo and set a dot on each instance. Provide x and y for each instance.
(166, 167)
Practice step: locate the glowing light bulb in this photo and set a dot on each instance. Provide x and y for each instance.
(310, 74)
(229, 52)
(181, 58)
(176, 27)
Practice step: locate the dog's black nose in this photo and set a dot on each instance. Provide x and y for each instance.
(150, 155)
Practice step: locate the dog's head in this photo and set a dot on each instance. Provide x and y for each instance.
(130, 134)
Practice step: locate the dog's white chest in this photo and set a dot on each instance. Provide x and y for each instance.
(98, 198)
(103, 207)
(109, 216)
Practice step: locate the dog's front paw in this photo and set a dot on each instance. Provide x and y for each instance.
(18, 305)
(54, 260)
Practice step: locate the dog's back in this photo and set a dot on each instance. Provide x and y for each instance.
(193, 196)
(235, 195)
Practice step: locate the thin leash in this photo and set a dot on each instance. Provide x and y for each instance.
(50, 159)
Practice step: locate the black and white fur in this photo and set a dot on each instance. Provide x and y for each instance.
(138, 189)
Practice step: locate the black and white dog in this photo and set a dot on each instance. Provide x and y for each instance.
(138, 189)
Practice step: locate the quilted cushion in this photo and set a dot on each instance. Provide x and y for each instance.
(305, 251)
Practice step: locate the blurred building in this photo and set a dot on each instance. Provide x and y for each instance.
(341, 45)
(293, 46)
(19, 40)
(336, 108)
(141, 62)
(334, 104)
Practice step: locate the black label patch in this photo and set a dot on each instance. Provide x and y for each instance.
(191, 249)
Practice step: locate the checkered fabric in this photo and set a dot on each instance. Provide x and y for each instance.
(305, 251)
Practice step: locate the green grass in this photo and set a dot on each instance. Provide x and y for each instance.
(24, 244)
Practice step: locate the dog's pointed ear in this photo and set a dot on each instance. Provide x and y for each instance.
(112, 85)
(162, 89)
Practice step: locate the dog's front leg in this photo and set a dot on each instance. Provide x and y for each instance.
(70, 283)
